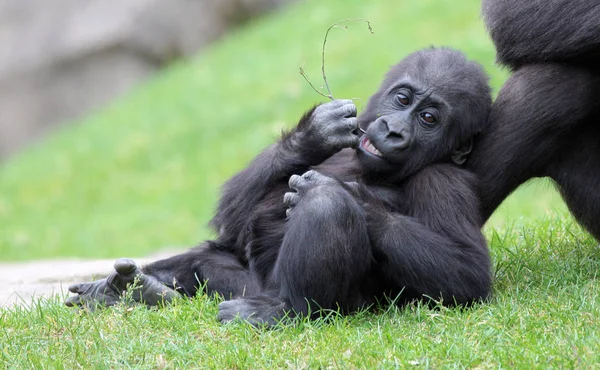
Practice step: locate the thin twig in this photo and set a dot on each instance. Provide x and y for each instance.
(335, 25)
(303, 73)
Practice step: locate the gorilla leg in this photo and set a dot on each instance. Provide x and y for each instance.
(205, 266)
(577, 174)
(208, 266)
(535, 108)
(324, 259)
(326, 253)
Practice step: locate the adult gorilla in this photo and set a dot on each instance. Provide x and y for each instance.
(397, 216)
(546, 119)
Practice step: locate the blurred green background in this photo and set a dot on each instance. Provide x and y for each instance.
(144, 174)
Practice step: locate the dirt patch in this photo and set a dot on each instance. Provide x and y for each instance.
(21, 283)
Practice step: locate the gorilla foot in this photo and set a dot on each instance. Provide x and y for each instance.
(302, 184)
(127, 278)
(258, 311)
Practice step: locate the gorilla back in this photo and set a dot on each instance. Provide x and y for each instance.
(527, 32)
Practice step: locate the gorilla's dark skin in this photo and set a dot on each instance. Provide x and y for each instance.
(311, 223)
(546, 118)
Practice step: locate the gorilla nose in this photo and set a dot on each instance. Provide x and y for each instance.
(396, 132)
(399, 138)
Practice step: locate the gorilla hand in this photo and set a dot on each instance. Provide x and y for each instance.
(331, 127)
(108, 292)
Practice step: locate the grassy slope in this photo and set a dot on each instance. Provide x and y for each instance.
(544, 315)
(145, 174)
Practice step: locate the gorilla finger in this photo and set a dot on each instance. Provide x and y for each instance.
(347, 126)
(346, 101)
(351, 124)
(226, 312)
(309, 174)
(325, 108)
(351, 141)
(291, 198)
(339, 103)
(319, 178)
(126, 266)
(346, 111)
(295, 181)
(351, 109)
(73, 301)
(79, 287)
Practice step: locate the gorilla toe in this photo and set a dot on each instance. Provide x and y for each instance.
(258, 311)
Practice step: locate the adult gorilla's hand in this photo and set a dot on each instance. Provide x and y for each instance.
(332, 127)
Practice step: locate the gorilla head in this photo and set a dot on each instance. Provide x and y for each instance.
(427, 110)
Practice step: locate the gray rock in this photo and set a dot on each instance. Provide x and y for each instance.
(60, 59)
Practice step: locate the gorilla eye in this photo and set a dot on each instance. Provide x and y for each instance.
(402, 99)
(428, 118)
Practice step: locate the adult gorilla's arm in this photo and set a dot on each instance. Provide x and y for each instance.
(320, 133)
(437, 250)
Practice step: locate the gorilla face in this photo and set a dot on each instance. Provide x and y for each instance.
(426, 111)
(412, 122)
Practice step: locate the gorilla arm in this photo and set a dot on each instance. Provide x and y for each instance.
(437, 250)
(320, 133)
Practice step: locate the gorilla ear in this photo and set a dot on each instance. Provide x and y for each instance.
(460, 154)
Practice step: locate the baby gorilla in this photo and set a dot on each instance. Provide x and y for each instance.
(327, 219)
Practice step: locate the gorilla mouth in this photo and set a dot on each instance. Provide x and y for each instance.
(366, 144)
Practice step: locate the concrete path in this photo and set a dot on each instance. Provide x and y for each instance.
(22, 282)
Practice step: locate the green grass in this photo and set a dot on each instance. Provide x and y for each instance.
(544, 315)
(145, 173)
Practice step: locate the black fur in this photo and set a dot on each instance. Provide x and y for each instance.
(527, 32)
(360, 228)
(546, 119)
